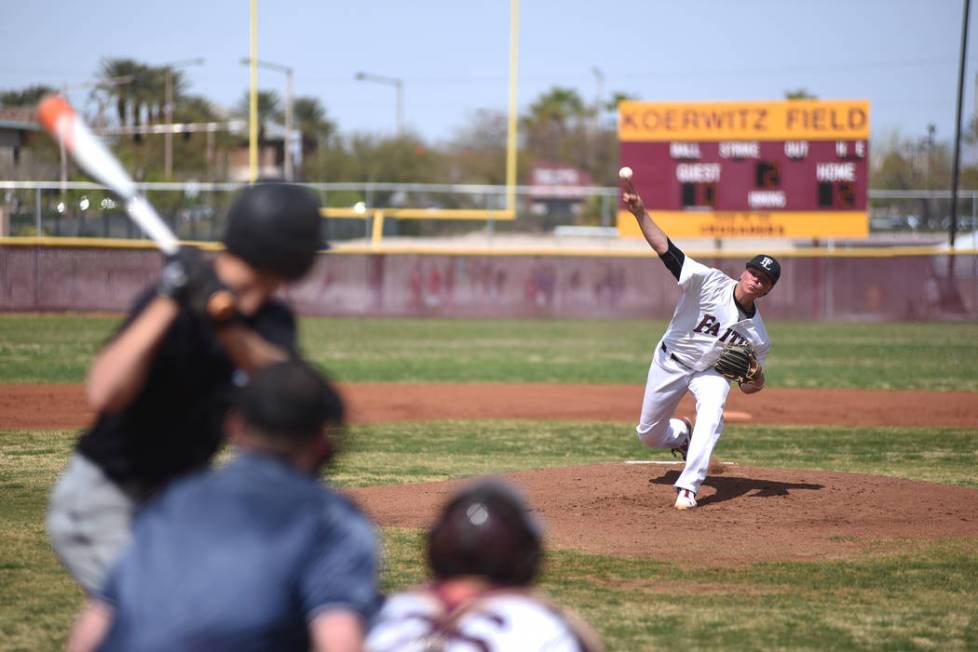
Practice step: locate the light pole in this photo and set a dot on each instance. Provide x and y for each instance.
(168, 110)
(594, 142)
(246, 61)
(599, 81)
(396, 83)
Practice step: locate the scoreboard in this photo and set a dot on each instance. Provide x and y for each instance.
(789, 169)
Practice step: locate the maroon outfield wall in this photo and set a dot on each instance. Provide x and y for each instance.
(43, 278)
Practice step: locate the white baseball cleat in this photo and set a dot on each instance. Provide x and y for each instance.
(683, 448)
(685, 500)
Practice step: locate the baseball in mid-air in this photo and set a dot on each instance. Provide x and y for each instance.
(625, 173)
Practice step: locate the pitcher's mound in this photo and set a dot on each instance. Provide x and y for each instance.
(749, 514)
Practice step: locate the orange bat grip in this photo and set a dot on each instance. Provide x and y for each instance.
(221, 305)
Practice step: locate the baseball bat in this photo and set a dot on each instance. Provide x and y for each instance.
(61, 121)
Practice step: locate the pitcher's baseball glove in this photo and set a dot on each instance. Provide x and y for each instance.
(738, 362)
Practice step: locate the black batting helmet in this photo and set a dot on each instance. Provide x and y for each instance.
(275, 227)
(486, 530)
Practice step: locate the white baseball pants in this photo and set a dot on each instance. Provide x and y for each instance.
(668, 381)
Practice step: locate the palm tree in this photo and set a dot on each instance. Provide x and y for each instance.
(553, 114)
(111, 69)
(193, 108)
(154, 89)
(145, 93)
(309, 117)
(269, 107)
(557, 106)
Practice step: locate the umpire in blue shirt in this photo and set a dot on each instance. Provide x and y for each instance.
(257, 555)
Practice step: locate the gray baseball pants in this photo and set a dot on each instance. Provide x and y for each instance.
(88, 521)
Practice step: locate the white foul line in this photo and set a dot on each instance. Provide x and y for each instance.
(665, 462)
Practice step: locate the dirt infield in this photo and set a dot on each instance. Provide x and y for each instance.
(63, 406)
(747, 513)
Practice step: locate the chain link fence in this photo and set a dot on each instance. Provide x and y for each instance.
(196, 211)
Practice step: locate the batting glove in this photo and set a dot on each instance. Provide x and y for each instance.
(178, 270)
(190, 280)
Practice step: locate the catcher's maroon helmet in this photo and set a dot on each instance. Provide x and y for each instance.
(486, 530)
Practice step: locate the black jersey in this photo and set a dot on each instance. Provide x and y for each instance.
(175, 424)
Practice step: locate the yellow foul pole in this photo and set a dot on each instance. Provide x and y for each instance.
(253, 98)
(514, 30)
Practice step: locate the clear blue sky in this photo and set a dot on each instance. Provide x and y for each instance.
(453, 54)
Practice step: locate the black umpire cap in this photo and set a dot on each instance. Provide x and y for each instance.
(767, 264)
(290, 400)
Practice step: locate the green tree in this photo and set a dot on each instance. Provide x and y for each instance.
(200, 154)
(923, 163)
(603, 164)
(617, 98)
(194, 108)
(28, 96)
(893, 172)
(123, 94)
(552, 117)
(560, 128)
(799, 94)
(310, 119)
(477, 151)
(362, 157)
(153, 89)
(142, 100)
(269, 105)
(269, 108)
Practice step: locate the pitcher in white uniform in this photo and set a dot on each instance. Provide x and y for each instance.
(714, 310)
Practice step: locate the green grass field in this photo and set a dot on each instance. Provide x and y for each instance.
(943, 357)
(921, 596)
